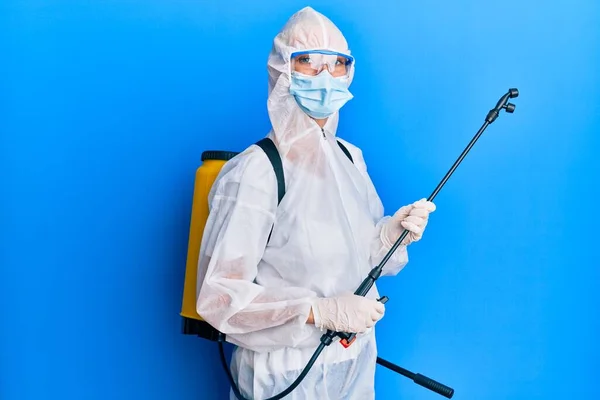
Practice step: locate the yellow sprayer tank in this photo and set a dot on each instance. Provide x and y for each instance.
(212, 162)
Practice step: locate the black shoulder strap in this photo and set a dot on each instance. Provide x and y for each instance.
(273, 154)
(271, 151)
(345, 150)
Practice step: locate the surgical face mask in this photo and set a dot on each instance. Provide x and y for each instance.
(321, 95)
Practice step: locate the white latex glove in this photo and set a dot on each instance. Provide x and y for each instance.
(413, 218)
(349, 313)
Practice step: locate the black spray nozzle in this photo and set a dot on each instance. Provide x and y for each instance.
(503, 104)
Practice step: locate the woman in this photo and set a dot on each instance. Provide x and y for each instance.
(274, 277)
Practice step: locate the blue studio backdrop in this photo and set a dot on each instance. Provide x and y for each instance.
(105, 108)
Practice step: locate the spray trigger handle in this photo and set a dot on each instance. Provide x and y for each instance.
(349, 338)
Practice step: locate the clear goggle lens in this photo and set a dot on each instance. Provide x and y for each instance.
(314, 62)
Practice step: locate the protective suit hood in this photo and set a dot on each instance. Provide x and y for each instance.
(307, 29)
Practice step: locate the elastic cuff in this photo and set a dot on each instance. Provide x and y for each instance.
(383, 236)
(316, 314)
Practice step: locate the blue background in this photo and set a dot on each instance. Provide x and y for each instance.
(105, 108)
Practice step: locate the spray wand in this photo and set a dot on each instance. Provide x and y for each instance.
(348, 338)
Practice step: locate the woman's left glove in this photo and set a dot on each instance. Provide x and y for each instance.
(413, 218)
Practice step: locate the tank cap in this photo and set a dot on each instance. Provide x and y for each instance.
(218, 155)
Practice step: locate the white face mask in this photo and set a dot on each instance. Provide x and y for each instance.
(321, 95)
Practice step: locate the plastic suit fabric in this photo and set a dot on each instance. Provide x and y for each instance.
(325, 240)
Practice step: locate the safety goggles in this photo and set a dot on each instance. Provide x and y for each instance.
(313, 62)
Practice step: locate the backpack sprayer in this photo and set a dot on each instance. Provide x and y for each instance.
(348, 338)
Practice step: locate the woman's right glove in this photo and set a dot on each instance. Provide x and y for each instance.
(349, 313)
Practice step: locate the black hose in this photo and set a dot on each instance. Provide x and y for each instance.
(234, 387)
(281, 395)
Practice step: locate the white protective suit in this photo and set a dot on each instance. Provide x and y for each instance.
(325, 240)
